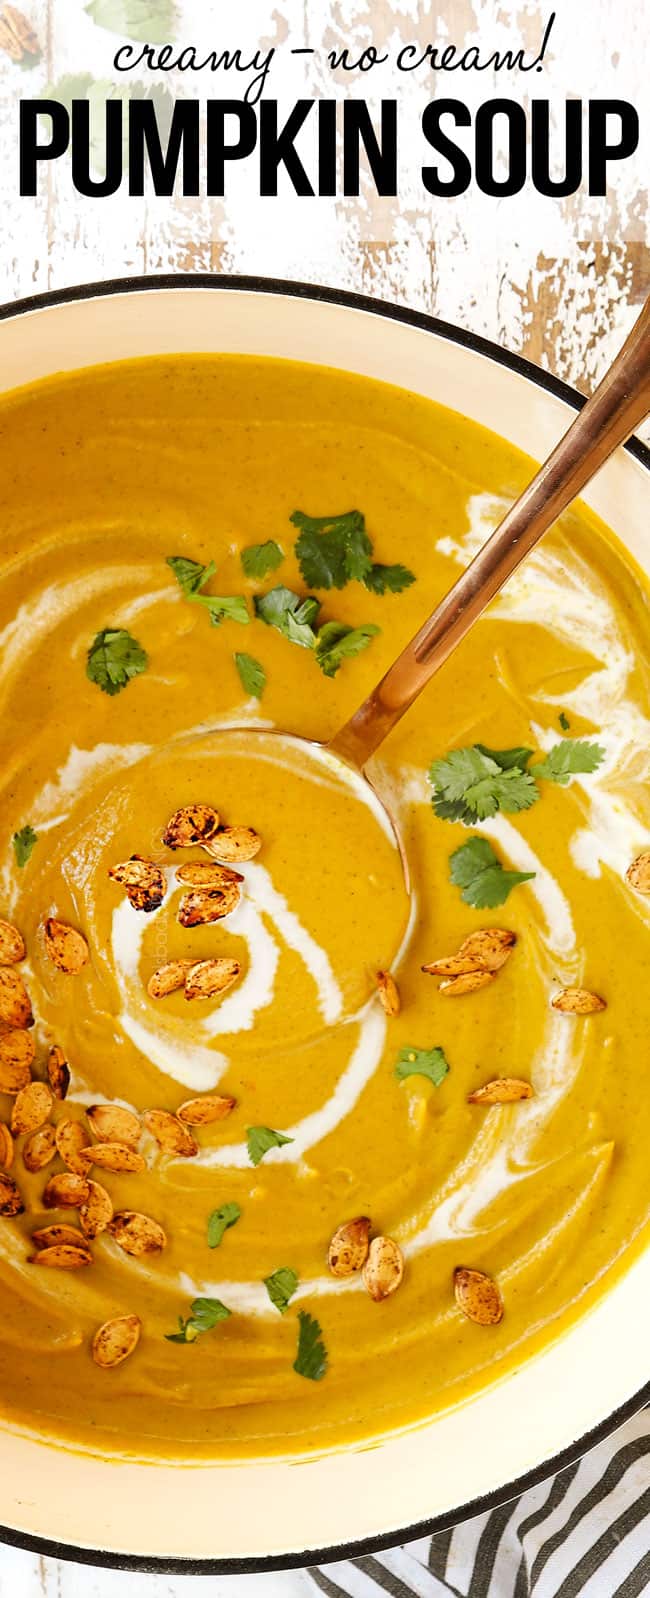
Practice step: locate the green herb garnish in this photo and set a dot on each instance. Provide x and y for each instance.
(192, 577)
(567, 759)
(472, 784)
(422, 1062)
(335, 550)
(219, 1221)
(564, 721)
(114, 658)
(259, 559)
(292, 616)
(24, 842)
(252, 675)
(149, 21)
(336, 642)
(311, 1359)
(204, 1314)
(478, 871)
(281, 1286)
(261, 1139)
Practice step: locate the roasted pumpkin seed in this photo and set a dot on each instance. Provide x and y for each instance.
(384, 1268)
(12, 944)
(71, 1141)
(58, 1072)
(455, 987)
(65, 1191)
(10, 1198)
(638, 874)
(112, 1157)
(39, 1149)
(62, 1256)
(234, 844)
(16, 1058)
(207, 874)
(144, 882)
(502, 1090)
(348, 1250)
(170, 1133)
(203, 906)
(31, 1108)
(209, 977)
(67, 948)
(578, 1001)
(191, 824)
(136, 1234)
(388, 993)
(478, 1296)
(115, 1340)
(111, 1123)
(168, 978)
(491, 946)
(15, 1005)
(96, 1213)
(6, 1147)
(202, 1112)
(49, 1236)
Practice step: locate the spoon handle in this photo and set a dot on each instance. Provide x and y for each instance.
(619, 404)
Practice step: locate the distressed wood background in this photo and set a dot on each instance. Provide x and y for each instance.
(560, 281)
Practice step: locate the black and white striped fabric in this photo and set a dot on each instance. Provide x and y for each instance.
(583, 1534)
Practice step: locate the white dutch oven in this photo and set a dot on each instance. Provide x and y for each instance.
(254, 1516)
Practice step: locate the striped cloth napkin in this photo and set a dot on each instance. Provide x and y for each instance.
(582, 1534)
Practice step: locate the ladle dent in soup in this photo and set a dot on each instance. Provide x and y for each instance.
(105, 474)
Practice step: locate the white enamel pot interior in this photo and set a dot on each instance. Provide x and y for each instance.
(256, 1515)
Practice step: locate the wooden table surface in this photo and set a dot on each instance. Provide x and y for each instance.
(559, 281)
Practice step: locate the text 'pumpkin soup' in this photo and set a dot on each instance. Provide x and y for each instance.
(282, 1166)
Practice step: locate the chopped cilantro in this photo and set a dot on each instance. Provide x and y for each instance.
(336, 642)
(219, 1221)
(259, 559)
(478, 871)
(422, 1062)
(311, 1358)
(251, 675)
(473, 783)
(24, 842)
(564, 721)
(567, 758)
(262, 1138)
(335, 550)
(289, 614)
(114, 658)
(281, 1286)
(192, 577)
(205, 1313)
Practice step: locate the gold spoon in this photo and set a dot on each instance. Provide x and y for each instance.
(619, 405)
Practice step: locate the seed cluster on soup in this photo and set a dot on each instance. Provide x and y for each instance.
(291, 1156)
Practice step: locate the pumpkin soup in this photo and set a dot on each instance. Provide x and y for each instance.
(290, 1157)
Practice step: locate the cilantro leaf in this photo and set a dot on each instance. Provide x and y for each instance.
(205, 1313)
(388, 579)
(252, 675)
(262, 1138)
(219, 1221)
(281, 1286)
(567, 758)
(564, 721)
(311, 1358)
(24, 842)
(478, 871)
(473, 783)
(190, 575)
(289, 614)
(337, 642)
(149, 21)
(259, 559)
(114, 658)
(422, 1062)
(332, 550)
